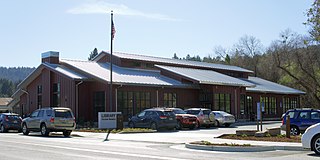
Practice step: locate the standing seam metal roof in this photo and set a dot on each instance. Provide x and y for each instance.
(179, 62)
(123, 75)
(265, 86)
(207, 76)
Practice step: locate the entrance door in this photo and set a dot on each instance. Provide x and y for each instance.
(249, 108)
(98, 104)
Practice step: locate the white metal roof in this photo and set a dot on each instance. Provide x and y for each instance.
(207, 76)
(65, 71)
(123, 75)
(265, 86)
(178, 61)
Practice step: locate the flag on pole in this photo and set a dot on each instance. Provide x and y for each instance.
(113, 31)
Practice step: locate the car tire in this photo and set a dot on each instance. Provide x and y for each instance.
(197, 125)
(2, 129)
(179, 125)
(315, 144)
(44, 130)
(216, 123)
(153, 126)
(131, 125)
(25, 130)
(227, 125)
(294, 130)
(67, 133)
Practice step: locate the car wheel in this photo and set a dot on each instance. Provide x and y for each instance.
(227, 125)
(197, 126)
(216, 123)
(294, 130)
(2, 129)
(179, 125)
(25, 130)
(44, 130)
(131, 125)
(153, 126)
(67, 133)
(315, 144)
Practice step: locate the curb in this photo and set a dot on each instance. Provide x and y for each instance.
(243, 149)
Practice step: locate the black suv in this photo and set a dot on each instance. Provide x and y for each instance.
(154, 118)
(300, 119)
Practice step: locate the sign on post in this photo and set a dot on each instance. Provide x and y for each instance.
(258, 111)
(107, 120)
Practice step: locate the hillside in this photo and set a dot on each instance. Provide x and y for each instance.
(15, 74)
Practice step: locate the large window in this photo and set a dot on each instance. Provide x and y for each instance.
(56, 95)
(222, 102)
(39, 98)
(290, 103)
(170, 100)
(98, 104)
(269, 104)
(131, 103)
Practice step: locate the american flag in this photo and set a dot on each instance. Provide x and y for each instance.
(113, 30)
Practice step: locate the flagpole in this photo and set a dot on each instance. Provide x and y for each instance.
(111, 46)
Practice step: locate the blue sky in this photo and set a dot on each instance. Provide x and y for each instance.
(148, 27)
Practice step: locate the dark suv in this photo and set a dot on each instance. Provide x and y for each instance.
(300, 119)
(154, 118)
(48, 120)
(10, 121)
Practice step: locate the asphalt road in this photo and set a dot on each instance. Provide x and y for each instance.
(15, 146)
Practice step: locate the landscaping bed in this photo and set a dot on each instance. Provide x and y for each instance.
(207, 143)
(125, 130)
(278, 138)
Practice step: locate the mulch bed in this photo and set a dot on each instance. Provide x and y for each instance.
(296, 139)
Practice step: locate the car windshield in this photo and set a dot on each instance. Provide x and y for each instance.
(63, 113)
(224, 113)
(194, 112)
(179, 111)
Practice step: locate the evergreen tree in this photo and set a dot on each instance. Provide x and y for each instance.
(93, 54)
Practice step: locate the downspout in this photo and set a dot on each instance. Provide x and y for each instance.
(77, 100)
(28, 105)
(157, 98)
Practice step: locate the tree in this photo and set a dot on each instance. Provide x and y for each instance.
(175, 56)
(300, 62)
(313, 21)
(93, 54)
(227, 59)
(251, 47)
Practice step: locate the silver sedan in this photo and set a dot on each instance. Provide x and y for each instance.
(223, 118)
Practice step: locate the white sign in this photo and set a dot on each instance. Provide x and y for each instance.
(107, 120)
(262, 107)
(258, 111)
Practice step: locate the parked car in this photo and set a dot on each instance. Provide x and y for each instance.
(204, 116)
(311, 138)
(300, 119)
(184, 119)
(10, 121)
(154, 118)
(48, 120)
(223, 118)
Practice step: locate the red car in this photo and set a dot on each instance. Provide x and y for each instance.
(184, 120)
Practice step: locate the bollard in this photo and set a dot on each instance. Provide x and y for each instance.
(288, 126)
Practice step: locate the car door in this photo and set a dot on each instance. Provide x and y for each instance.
(140, 119)
(31, 121)
(304, 120)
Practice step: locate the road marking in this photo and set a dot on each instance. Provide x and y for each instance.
(99, 151)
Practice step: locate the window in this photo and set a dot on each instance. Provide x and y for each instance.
(242, 104)
(131, 103)
(56, 95)
(98, 103)
(315, 115)
(170, 100)
(290, 103)
(39, 98)
(34, 114)
(269, 104)
(304, 115)
(222, 102)
(41, 113)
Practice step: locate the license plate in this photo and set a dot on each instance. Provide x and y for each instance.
(15, 121)
(170, 118)
(193, 122)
